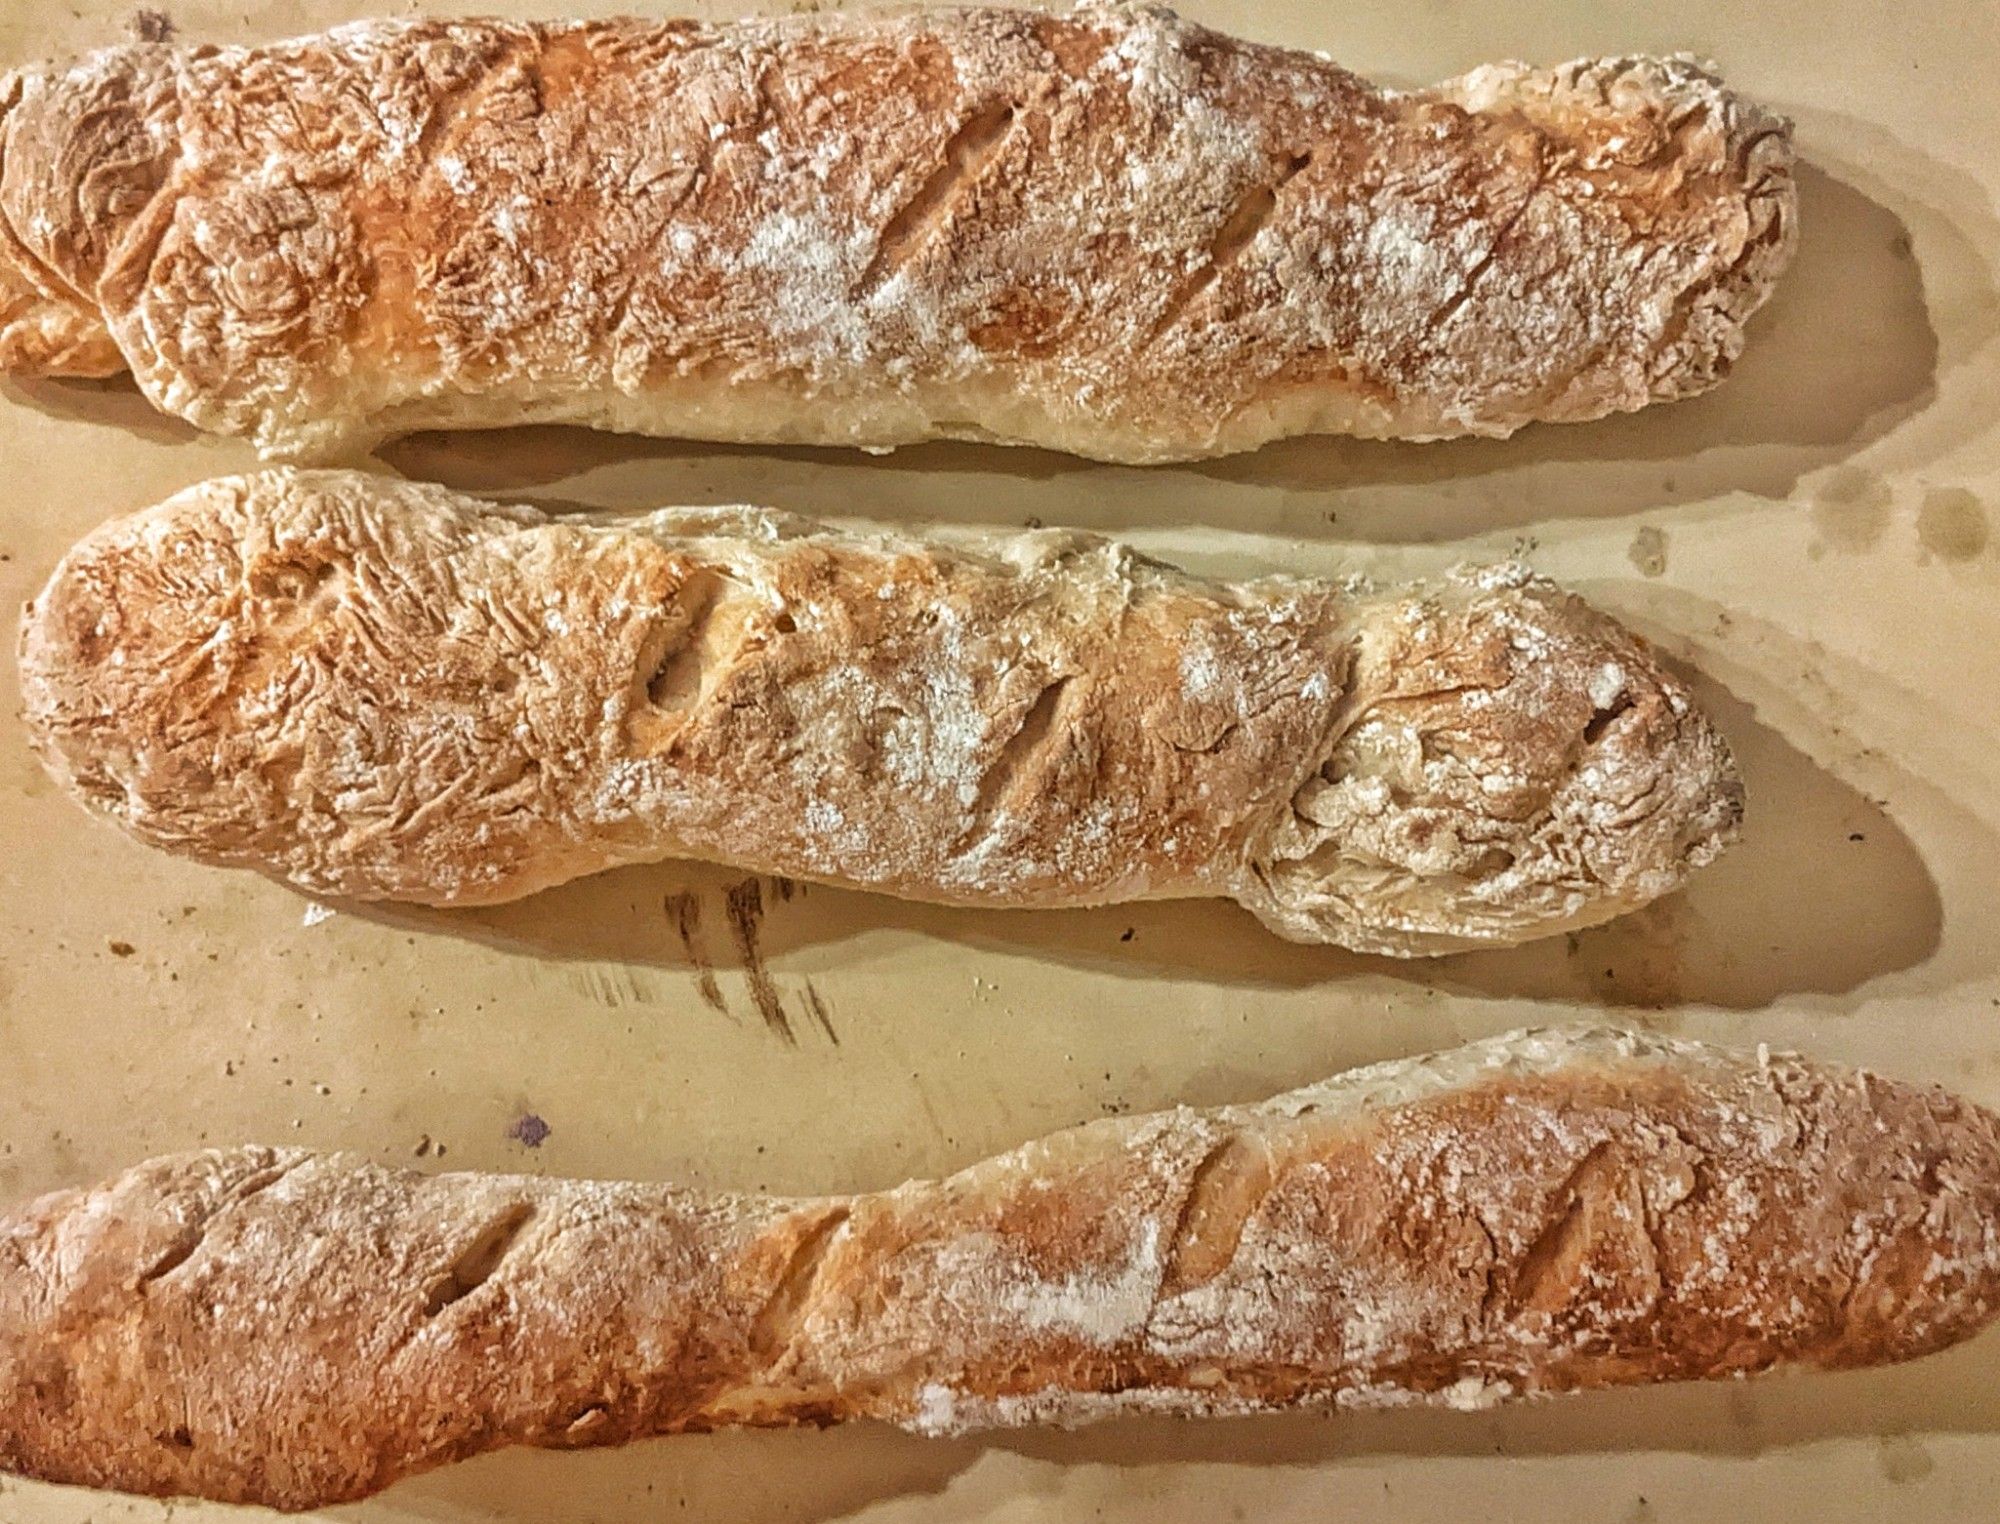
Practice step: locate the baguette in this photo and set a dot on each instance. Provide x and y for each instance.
(1114, 233)
(1540, 1213)
(383, 690)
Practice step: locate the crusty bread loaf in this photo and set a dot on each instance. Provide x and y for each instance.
(387, 691)
(1114, 233)
(1540, 1213)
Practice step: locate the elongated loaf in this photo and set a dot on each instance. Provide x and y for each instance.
(1112, 233)
(1541, 1213)
(387, 691)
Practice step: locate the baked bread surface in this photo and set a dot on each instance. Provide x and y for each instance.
(383, 690)
(1113, 233)
(1546, 1212)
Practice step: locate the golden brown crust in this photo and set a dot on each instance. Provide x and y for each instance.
(1546, 1212)
(46, 328)
(384, 690)
(1113, 233)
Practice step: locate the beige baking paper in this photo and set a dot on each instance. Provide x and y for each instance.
(1815, 541)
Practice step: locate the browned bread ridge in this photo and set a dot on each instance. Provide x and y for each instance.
(1113, 233)
(383, 690)
(1539, 1213)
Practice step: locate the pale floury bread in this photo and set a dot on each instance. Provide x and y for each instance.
(385, 690)
(1540, 1213)
(1113, 233)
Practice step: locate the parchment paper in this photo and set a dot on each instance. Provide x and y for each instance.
(1814, 540)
